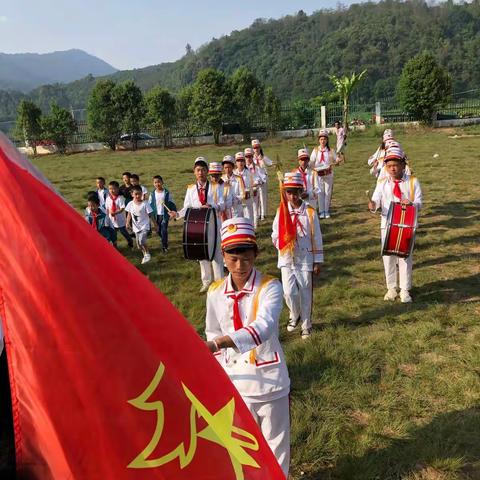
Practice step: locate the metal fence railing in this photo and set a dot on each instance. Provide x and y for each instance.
(293, 116)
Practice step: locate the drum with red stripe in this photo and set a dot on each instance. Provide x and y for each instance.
(200, 234)
(401, 227)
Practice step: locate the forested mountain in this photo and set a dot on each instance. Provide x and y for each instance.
(25, 71)
(297, 53)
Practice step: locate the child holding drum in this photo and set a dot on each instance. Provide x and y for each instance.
(399, 197)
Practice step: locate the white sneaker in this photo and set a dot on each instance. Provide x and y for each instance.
(204, 288)
(405, 296)
(327, 214)
(391, 295)
(291, 325)
(306, 333)
(322, 215)
(146, 258)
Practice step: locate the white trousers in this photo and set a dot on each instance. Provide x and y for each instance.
(325, 195)
(263, 200)
(206, 266)
(298, 293)
(256, 207)
(273, 418)
(248, 209)
(404, 265)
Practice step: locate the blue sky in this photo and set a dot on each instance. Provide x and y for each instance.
(132, 34)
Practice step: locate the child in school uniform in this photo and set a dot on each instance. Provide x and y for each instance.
(302, 260)
(102, 190)
(397, 187)
(126, 187)
(138, 218)
(98, 218)
(200, 195)
(135, 180)
(115, 206)
(243, 312)
(160, 197)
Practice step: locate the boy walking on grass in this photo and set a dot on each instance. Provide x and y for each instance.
(115, 206)
(138, 217)
(159, 198)
(97, 217)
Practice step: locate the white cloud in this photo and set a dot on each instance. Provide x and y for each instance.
(3, 18)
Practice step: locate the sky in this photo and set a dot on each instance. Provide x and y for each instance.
(133, 33)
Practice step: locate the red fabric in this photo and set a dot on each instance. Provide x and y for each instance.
(297, 224)
(94, 219)
(322, 156)
(396, 189)
(114, 205)
(286, 228)
(79, 362)
(237, 320)
(201, 195)
(304, 176)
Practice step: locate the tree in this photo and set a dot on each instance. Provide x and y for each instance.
(28, 125)
(59, 126)
(133, 109)
(209, 100)
(345, 86)
(271, 109)
(423, 86)
(246, 98)
(161, 111)
(104, 113)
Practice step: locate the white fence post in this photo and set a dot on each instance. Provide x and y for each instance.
(378, 113)
(323, 116)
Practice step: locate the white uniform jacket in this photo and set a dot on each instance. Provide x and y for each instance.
(383, 194)
(257, 366)
(308, 244)
(233, 194)
(192, 199)
(262, 161)
(259, 174)
(311, 184)
(246, 182)
(316, 162)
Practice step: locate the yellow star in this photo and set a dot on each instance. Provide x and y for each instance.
(220, 430)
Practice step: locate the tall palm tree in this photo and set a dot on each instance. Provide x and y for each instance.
(344, 86)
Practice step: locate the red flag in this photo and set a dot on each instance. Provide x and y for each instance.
(108, 380)
(286, 228)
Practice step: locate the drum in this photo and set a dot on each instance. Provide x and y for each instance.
(200, 234)
(401, 226)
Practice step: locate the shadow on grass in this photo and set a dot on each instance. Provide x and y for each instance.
(448, 444)
(454, 291)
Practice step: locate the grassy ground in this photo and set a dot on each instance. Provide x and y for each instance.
(380, 391)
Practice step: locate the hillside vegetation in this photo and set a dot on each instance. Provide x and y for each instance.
(297, 53)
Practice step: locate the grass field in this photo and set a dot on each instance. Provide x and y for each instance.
(380, 391)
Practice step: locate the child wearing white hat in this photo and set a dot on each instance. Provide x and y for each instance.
(311, 183)
(246, 182)
(397, 187)
(231, 184)
(243, 312)
(322, 160)
(259, 177)
(301, 260)
(262, 161)
(201, 195)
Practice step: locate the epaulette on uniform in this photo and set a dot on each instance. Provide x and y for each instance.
(215, 285)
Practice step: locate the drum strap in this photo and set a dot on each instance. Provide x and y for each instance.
(311, 212)
(412, 185)
(265, 280)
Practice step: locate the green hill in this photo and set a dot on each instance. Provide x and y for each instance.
(297, 53)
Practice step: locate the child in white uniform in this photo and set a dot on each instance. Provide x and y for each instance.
(303, 258)
(243, 311)
(398, 187)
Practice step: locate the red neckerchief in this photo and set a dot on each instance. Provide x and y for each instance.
(114, 206)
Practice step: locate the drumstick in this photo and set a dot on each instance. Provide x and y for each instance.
(367, 193)
(169, 210)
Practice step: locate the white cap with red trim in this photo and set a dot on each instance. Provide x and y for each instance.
(215, 168)
(239, 156)
(237, 232)
(292, 180)
(303, 153)
(255, 143)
